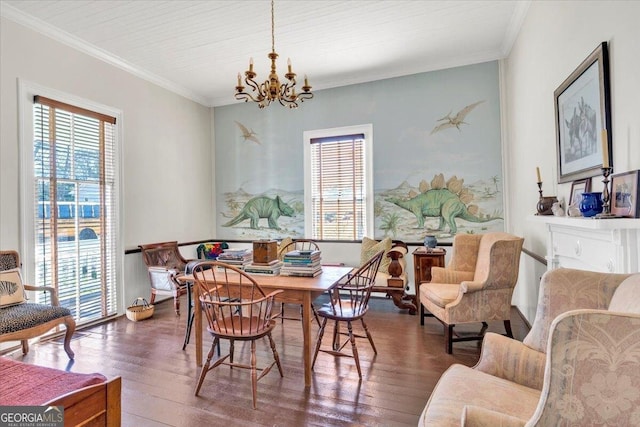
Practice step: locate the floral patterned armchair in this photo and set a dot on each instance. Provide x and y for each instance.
(476, 286)
(579, 364)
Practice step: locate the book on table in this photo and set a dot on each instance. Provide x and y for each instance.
(271, 269)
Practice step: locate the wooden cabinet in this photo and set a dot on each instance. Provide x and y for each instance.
(423, 261)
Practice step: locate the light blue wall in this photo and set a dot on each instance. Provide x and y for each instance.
(403, 112)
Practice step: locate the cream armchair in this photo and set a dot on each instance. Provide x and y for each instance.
(476, 286)
(587, 373)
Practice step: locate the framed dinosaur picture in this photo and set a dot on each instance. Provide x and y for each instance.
(583, 114)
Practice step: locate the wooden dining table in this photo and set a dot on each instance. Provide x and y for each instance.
(296, 290)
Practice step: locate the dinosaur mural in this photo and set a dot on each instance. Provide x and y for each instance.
(446, 202)
(262, 207)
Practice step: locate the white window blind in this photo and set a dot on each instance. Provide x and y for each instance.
(338, 191)
(74, 207)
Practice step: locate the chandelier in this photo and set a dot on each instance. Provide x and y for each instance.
(271, 89)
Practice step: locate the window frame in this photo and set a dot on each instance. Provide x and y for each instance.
(367, 131)
(26, 92)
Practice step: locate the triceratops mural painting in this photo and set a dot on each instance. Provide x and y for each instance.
(262, 207)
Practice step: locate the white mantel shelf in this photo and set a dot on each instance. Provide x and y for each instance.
(588, 223)
(606, 245)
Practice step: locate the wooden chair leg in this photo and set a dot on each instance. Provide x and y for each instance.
(205, 367)
(70, 324)
(366, 330)
(336, 336)
(152, 299)
(275, 354)
(231, 351)
(318, 342)
(315, 314)
(25, 346)
(507, 327)
(354, 349)
(254, 374)
(176, 302)
(448, 338)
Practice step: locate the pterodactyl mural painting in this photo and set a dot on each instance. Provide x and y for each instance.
(248, 135)
(455, 121)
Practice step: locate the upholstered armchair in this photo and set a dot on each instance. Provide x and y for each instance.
(164, 264)
(578, 365)
(21, 320)
(476, 286)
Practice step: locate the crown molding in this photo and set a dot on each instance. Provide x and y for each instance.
(515, 25)
(46, 29)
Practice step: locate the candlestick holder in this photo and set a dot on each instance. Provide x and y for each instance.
(606, 196)
(545, 203)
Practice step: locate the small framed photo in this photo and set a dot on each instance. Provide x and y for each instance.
(583, 113)
(624, 194)
(577, 188)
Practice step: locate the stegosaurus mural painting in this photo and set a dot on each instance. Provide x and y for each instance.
(444, 200)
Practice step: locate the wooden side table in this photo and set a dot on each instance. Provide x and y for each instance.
(422, 263)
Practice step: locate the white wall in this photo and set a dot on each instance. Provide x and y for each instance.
(555, 38)
(166, 144)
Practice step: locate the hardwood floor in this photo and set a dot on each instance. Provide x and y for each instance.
(158, 378)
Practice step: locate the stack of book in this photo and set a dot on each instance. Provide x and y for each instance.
(271, 268)
(301, 263)
(239, 258)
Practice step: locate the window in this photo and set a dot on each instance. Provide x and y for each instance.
(338, 194)
(72, 241)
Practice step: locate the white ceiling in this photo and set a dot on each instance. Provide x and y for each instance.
(196, 48)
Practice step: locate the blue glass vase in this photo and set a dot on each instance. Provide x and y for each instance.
(430, 241)
(591, 204)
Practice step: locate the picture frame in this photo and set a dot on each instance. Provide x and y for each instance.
(583, 114)
(578, 187)
(625, 190)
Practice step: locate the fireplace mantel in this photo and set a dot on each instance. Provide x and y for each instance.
(605, 245)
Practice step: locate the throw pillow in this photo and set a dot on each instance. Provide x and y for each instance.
(371, 247)
(626, 297)
(11, 288)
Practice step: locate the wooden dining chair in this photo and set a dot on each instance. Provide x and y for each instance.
(236, 309)
(297, 245)
(349, 302)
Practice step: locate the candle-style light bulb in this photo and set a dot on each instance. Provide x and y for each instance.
(239, 80)
(538, 174)
(289, 64)
(251, 64)
(306, 82)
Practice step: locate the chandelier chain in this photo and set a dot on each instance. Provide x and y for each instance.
(273, 26)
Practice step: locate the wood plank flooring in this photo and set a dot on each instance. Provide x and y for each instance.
(158, 377)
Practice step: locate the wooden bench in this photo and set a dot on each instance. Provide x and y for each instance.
(88, 399)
